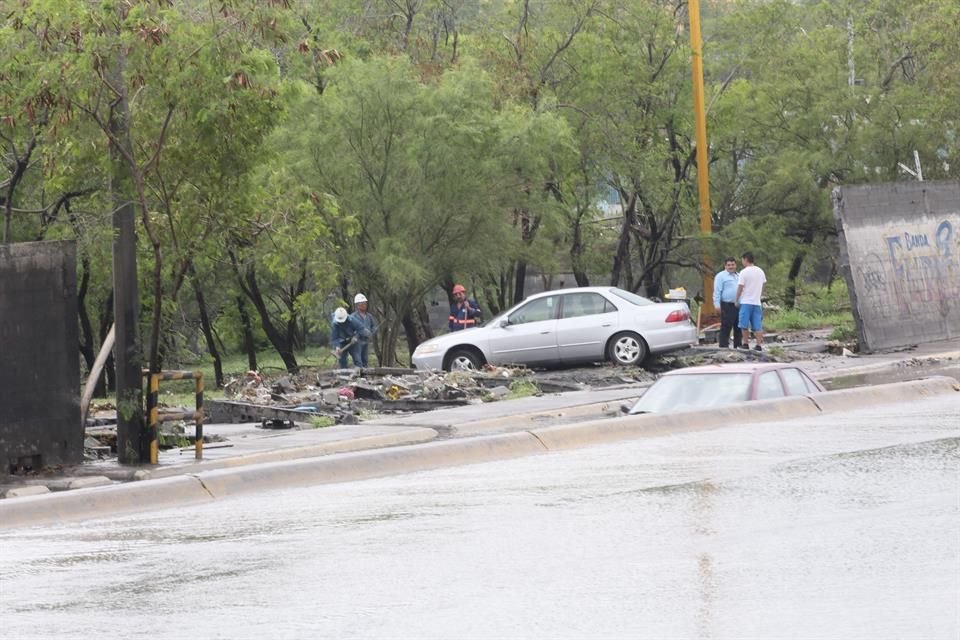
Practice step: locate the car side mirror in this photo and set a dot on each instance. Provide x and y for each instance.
(505, 323)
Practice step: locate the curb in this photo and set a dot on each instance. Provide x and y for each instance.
(115, 499)
(409, 436)
(207, 486)
(858, 397)
(649, 425)
(365, 465)
(482, 427)
(892, 365)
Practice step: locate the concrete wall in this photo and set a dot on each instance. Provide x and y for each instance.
(900, 254)
(40, 372)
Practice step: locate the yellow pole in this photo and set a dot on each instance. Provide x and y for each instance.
(703, 169)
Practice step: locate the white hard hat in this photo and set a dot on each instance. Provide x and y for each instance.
(357, 299)
(340, 315)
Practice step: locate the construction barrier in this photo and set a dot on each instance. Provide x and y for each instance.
(154, 417)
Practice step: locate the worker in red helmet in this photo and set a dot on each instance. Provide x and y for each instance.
(464, 313)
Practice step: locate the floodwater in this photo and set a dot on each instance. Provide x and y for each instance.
(841, 526)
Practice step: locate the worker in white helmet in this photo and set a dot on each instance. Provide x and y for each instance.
(366, 326)
(343, 336)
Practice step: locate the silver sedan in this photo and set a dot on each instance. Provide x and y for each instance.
(569, 326)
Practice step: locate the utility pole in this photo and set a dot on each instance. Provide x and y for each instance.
(703, 170)
(132, 439)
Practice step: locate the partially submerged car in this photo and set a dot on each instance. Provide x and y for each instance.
(568, 326)
(718, 385)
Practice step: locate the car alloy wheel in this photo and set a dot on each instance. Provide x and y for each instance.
(627, 349)
(464, 360)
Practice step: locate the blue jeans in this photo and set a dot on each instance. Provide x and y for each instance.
(359, 353)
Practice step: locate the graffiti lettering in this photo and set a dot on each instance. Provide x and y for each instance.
(914, 241)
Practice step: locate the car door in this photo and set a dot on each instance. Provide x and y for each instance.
(587, 319)
(529, 335)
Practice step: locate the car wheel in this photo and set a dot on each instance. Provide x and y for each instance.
(463, 360)
(626, 349)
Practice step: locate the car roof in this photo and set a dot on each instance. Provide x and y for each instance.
(554, 292)
(733, 367)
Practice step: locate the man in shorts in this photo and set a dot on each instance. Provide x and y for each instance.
(749, 293)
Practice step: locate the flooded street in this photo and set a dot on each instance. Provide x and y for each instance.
(840, 526)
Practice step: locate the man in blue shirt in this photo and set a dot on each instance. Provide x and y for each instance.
(343, 335)
(724, 298)
(365, 326)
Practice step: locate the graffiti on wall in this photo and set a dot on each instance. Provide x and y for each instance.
(914, 274)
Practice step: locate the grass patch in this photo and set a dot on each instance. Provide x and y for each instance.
(844, 333)
(776, 351)
(797, 320)
(522, 389)
(319, 422)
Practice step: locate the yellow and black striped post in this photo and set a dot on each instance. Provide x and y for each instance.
(154, 416)
(153, 422)
(198, 418)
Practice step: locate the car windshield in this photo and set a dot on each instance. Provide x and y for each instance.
(694, 391)
(632, 298)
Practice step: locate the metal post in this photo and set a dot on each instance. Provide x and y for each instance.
(703, 169)
(153, 422)
(198, 417)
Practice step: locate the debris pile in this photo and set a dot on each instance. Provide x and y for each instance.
(343, 394)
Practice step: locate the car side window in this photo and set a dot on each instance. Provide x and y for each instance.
(811, 385)
(576, 305)
(536, 311)
(768, 386)
(796, 385)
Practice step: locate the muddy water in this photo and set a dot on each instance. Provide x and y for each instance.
(842, 526)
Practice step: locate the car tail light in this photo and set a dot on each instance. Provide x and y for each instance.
(678, 316)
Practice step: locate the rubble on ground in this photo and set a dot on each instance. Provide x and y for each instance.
(344, 394)
(323, 397)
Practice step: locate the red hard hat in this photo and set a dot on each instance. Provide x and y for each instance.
(459, 289)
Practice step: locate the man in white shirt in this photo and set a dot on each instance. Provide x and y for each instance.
(749, 293)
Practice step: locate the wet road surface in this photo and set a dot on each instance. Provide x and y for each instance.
(841, 526)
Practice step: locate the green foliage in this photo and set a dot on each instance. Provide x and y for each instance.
(319, 422)
(321, 149)
(792, 319)
(845, 332)
(522, 389)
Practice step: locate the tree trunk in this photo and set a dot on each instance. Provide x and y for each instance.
(20, 166)
(622, 257)
(133, 439)
(108, 381)
(790, 295)
(519, 279)
(86, 329)
(423, 316)
(416, 326)
(576, 255)
(410, 329)
(207, 328)
(279, 340)
(249, 344)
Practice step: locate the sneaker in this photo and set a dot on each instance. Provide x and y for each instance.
(744, 346)
(758, 348)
